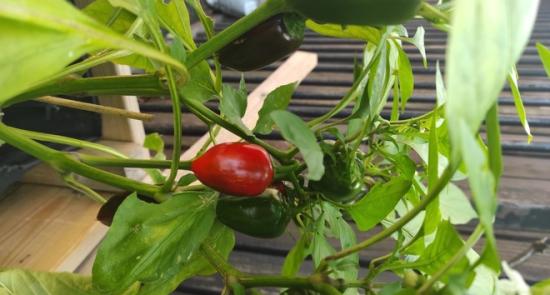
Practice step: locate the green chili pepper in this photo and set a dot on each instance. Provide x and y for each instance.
(342, 181)
(261, 217)
(357, 12)
(268, 42)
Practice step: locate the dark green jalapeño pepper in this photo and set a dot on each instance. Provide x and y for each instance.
(357, 12)
(343, 178)
(261, 217)
(268, 42)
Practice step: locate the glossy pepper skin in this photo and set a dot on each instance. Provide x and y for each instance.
(342, 181)
(268, 42)
(239, 169)
(357, 12)
(262, 217)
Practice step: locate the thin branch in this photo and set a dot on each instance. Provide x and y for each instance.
(536, 247)
(94, 108)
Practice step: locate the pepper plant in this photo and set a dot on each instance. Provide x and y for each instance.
(391, 178)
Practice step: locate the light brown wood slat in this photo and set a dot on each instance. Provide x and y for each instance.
(42, 226)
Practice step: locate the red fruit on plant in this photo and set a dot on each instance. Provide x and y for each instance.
(238, 169)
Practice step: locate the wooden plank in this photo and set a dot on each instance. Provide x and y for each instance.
(46, 228)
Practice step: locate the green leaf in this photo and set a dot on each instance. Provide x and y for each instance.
(154, 142)
(277, 99)
(31, 53)
(446, 243)
(175, 17)
(441, 92)
(296, 257)
(541, 288)
(486, 39)
(378, 203)
(544, 54)
(145, 238)
(187, 180)
(26, 282)
(137, 61)
(406, 78)
(482, 184)
(433, 214)
(103, 11)
(418, 41)
(494, 144)
(381, 78)
(455, 206)
(298, 133)
(201, 87)
(321, 248)
(233, 104)
(220, 238)
(365, 33)
(518, 102)
(346, 268)
(41, 38)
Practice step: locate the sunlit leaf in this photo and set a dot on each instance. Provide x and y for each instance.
(433, 214)
(406, 77)
(233, 104)
(221, 239)
(296, 257)
(518, 102)
(296, 131)
(455, 206)
(103, 11)
(486, 40)
(26, 282)
(278, 99)
(544, 54)
(147, 237)
(365, 33)
(201, 87)
(441, 92)
(41, 37)
(446, 243)
(541, 288)
(175, 17)
(378, 203)
(418, 41)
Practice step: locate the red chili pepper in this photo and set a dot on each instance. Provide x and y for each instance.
(239, 169)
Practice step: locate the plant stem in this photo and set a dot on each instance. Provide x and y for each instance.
(432, 14)
(139, 85)
(262, 13)
(443, 181)
(218, 262)
(90, 107)
(314, 283)
(69, 141)
(83, 189)
(416, 119)
(64, 163)
(132, 163)
(472, 240)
